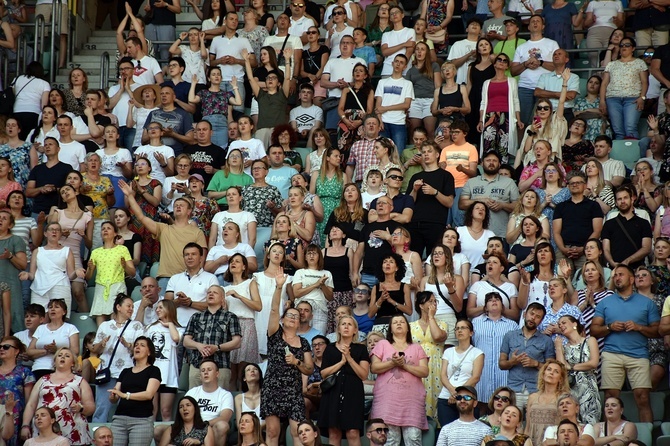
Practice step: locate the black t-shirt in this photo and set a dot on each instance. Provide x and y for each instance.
(351, 229)
(663, 53)
(43, 175)
(620, 246)
(375, 248)
(201, 156)
(400, 203)
(427, 208)
(85, 200)
(102, 120)
(311, 61)
(577, 220)
(133, 383)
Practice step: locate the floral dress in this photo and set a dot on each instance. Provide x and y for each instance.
(281, 394)
(203, 212)
(214, 102)
(256, 37)
(586, 387)
(150, 245)
(594, 126)
(15, 382)
(255, 201)
(60, 397)
(291, 246)
(435, 15)
(195, 433)
(75, 105)
(20, 159)
(98, 194)
(434, 351)
(330, 191)
(662, 275)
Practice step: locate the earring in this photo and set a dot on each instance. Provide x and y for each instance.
(405, 247)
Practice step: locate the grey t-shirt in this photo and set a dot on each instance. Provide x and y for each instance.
(496, 25)
(424, 87)
(500, 189)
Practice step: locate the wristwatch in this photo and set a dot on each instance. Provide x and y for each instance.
(644, 98)
(608, 327)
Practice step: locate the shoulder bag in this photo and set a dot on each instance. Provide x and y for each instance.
(8, 98)
(103, 376)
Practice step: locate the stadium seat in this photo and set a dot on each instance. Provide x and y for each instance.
(663, 440)
(304, 153)
(136, 294)
(665, 428)
(626, 150)
(84, 324)
(153, 272)
(657, 401)
(644, 432)
(582, 86)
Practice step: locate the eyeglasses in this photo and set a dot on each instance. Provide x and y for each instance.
(504, 399)
(626, 45)
(396, 177)
(502, 59)
(312, 32)
(7, 346)
(381, 430)
(464, 398)
(292, 315)
(339, 13)
(543, 108)
(361, 291)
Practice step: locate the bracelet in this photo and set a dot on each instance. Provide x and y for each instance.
(565, 86)
(11, 256)
(128, 396)
(163, 166)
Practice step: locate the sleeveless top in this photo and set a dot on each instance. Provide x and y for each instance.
(51, 271)
(350, 102)
(245, 408)
(339, 268)
(454, 99)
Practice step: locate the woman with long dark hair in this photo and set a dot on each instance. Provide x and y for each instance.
(475, 232)
(356, 102)
(426, 77)
(390, 296)
(534, 286)
(188, 426)
(249, 399)
(479, 71)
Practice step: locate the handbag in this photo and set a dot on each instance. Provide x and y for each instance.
(328, 383)
(330, 103)
(103, 376)
(438, 37)
(8, 98)
(572, 375)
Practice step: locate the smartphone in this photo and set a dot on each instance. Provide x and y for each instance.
(287, 350)
(439, 132)
(401, 353)
(537, 120)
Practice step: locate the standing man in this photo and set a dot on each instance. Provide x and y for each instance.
(176, 68)
(626, 237)
(403, 205)
(226, 52)
(550, 84)
(206, 158)
(433, 194)
(212, 333)
(300, 23)
(499, 193)
(463, 51)
(400, 40)
(626, 320)
(575, 221)
(119, 95)
(393, 97)
(466, 430)
(362, 152)
(660, 69)
(177, 123)
(147, 69)
(494, 28)
(531, 60)
(524, 351)
(281, 40)
(279, 174)
(45, 179)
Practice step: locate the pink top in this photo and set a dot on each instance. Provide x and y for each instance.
(8, 188)
(399, 397)
(498, 97)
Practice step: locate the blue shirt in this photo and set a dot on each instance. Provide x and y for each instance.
(636, 308)
(538, 347)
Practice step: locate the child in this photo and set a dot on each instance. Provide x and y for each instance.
(367, 53)
(89, 361)
(35, 316)
(306, 117)
(372, 187)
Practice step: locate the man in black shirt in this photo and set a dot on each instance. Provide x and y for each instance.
(433, 193)
(95, 121)
(46, 178)
(207, 158)
(660, 69)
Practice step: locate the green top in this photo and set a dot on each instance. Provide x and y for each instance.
(220, 183)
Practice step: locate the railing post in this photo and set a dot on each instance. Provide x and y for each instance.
(104, 70)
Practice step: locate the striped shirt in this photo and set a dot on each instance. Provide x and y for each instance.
(462, 433)
(488, 337)
(21, 229)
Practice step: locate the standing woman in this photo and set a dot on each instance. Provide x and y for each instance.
(576, 149)
(560, 17)
(426, 77)
(450, 101)
(15, 379)
(533, 175)
(399, 394)
(22, 154)
(289, 356)
(603, 18)
(191, 47)
(48, 429)
(400, 242)
(45, 127)
(624, 90)
(541, 411)
(499, 115)
(355, 104)
(75, 96)
(437, 15)
(116, 163)
(303, 219)
(531, 231)
(216, 104)
(338, 259)
(114, 264)
(593, 290)
(266, 18)
(320, 143)
(390, 296)
(315, 286)
(100, 189)
(580, 355)
(314, 60)
(534, 286)
(13, 260)
(588, 107)
(132, 422)
(283, 231)
(493, 282)
(452, 240)
(430, 333)
(349, 214)
(475, 233)
(462, 365)
(167, 333)
(131, 240)
(148, 192)
(31, 94)
(448, 288)
(342, 408)
(529, 204)
(243, 300)
(479, 71)
(329, 186)
(252, 30)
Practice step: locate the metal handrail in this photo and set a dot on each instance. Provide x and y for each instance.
(104, 70)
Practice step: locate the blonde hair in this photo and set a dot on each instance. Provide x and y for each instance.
(353, 319)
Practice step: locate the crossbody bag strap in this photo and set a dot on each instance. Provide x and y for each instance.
(16, 96)
(623, 228)
(502, 291)
(117, 342)
(446, 301)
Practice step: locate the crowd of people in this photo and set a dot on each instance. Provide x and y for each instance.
(453, 246)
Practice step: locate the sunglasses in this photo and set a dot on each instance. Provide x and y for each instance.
(543, 108)
(464, 398)
(339, 13)
(504, 399)
(382, 430)
(360, 291)
(395, 177)
(6, 346)
(312, 32)
(648, 55)
(626, 45)
(298, 5)
(502, 59)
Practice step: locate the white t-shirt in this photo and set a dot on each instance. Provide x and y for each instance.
(299, 27)
(460, 367)
(212, 403)
(108, 166)
(218, 251)
(474, 249)
(148, 152)
(120, 110)
(44, 336)
(195, 289)
(149, 312)
(341, 69)
(550, 432)
(306, 118)
(140, 115)
(517, 6)
(335, 40)
(542, 49)
(252, 149)
(394, 92)
(393, 38)
(242, 219)
(367, 198)
(72, 153)
(316, 298)
(277, 42)
(223, 46)
(41, 136)
(167, 187)
(459, 49)
(30, 91)
(145, 70)
(481, 288)
(605, 11)
(122, 358)
(166, 353)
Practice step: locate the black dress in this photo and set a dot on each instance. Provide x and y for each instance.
(477, 79)
(343, 406)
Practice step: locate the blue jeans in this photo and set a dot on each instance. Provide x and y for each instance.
(126, 138)
(624, 116)
(102, 403)
(527, 101)
(332, 119)
(227, 86)
(161, 33)
(456, 216)
(369, 279)
(219, 129)
(398, 133)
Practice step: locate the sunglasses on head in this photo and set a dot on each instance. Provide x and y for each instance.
(543, 108)
(464, 398)
(504, 399)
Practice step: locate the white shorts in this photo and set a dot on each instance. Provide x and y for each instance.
(254, 107)
(420, 108)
